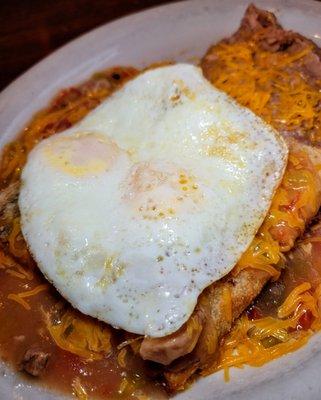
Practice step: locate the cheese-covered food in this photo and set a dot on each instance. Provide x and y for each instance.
(152, 197)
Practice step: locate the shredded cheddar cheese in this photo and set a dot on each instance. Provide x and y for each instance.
(130, 387)
(15, 274)
(123, 386)
(259, 341)
(81, 335)
(19, 300)
(79, 390)
(298, 297)
(131, 342)
(13, 268)
(269, 85)
(121, 357)
(20, 297)
(287, 212)
(34, 291)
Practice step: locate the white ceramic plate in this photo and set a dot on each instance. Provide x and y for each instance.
(179, 31)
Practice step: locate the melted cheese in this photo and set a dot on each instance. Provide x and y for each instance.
(257, 342)
(296, 192)
(268, 84)
(20, 297)
(80, 335)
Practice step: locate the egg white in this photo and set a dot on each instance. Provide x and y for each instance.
(152, 197)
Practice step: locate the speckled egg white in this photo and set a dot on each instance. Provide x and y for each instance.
(152, 197)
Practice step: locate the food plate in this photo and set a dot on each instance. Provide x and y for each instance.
(181, 32)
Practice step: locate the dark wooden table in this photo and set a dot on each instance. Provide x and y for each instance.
(31, 29)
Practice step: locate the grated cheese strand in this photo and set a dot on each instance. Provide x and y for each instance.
(81, 335)
(15, 274)
(19, 297)
(19, 300)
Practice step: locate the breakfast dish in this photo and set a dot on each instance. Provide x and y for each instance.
(161, 224)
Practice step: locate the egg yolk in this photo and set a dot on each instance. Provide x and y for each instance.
(161, 191)
(82, 154)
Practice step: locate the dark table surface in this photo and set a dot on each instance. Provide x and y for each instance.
(31, 29)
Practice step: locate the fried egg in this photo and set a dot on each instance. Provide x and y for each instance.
(149, 199)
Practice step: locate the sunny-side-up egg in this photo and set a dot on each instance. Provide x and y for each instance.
(152, 197)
